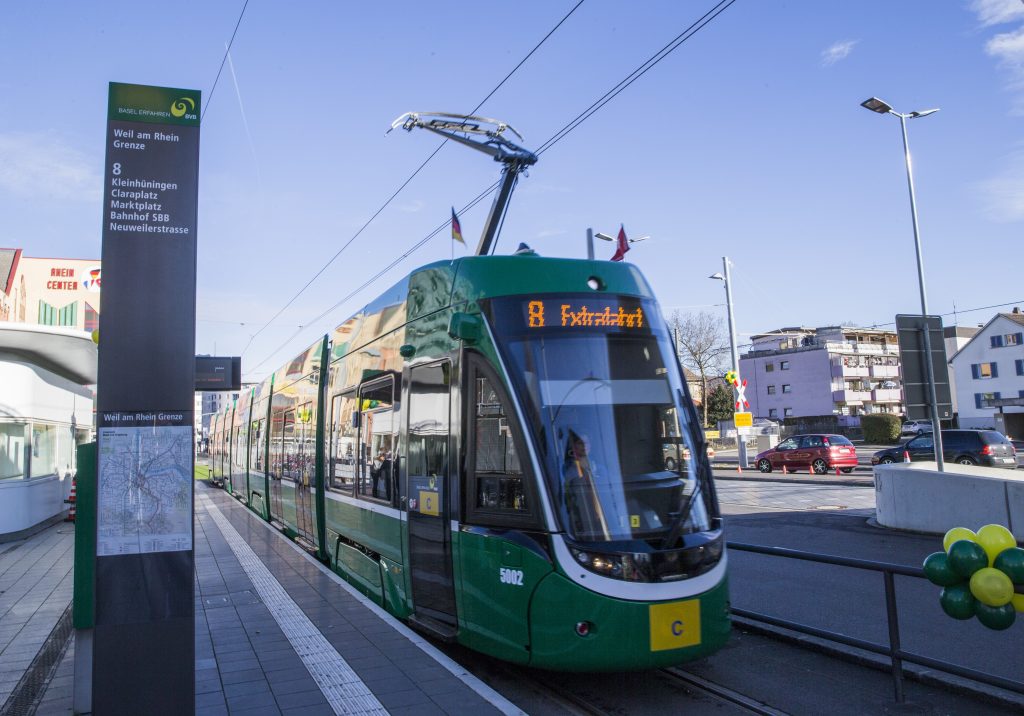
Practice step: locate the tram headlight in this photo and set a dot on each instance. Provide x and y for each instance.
(608, 565)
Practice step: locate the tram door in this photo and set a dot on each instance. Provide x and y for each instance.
(278, 460)
(304, 466)
(430, 552)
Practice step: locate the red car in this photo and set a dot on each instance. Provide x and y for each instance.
(820, 454)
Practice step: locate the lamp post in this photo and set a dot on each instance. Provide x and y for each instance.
(876, 105)
(741, 445)
(604, 237)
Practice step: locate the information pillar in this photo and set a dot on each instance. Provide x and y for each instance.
(144, 643)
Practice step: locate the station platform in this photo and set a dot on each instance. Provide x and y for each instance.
(278, 633)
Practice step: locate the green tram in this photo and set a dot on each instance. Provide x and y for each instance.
(483, 452)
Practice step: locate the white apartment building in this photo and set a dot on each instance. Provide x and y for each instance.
(989, 371)
(834, 370)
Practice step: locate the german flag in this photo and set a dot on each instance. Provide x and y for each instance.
(456, 228)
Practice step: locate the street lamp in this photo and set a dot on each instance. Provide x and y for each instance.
(604, 237)
(741, 445)
(876, 105)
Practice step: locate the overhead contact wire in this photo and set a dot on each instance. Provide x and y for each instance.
(596, 106)
(213, 89)
(409, 179)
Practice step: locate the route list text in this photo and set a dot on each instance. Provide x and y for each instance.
(141, 204)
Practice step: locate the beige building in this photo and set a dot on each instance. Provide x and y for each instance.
(49, 291)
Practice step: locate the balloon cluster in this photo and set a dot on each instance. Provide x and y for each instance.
(730, 377)
(981, 575)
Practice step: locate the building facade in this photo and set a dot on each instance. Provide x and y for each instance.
(49, 291)
(955, 338)
(989, 372)
(834, 370)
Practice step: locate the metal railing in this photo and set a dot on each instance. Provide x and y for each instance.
(896, 654)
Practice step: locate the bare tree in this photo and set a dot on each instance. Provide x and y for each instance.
(702, 347)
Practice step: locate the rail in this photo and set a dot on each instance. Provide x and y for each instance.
(896, 654)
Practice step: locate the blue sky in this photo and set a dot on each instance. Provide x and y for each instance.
(748, 141)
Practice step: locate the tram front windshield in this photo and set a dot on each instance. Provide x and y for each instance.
(604, 398)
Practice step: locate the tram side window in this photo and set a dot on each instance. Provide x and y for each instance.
(276, 442)
(303, 458)
(289, 448)
(256, 446)
(378, 440)
(238, 456)
(500, 484)
(343, 442)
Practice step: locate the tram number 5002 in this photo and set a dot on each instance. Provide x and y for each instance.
(511, 576)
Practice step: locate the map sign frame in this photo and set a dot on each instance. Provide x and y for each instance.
(144, 500)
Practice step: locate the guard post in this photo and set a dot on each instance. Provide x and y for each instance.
(143, 636)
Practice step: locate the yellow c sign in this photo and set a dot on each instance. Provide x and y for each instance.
(674, 625)
(744, 420)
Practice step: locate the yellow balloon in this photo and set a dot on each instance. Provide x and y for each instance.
(1018, 602)
(994, 539)
(96, 336)
(992, 587)
(958, 533)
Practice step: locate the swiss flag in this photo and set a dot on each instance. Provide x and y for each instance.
(622, 246)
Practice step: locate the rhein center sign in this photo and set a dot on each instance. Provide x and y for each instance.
(144, 648)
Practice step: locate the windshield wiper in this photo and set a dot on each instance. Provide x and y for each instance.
(676, 530)
(700, 454)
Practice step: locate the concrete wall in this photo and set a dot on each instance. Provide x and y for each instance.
(29, 393)
(917, 496)
(24, 503)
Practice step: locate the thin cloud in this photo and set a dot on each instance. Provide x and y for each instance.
(413, 206)
(838, 51)
(36, 165)
(997, 12)
(546, 233)
(1002, 196)
(1008, 48)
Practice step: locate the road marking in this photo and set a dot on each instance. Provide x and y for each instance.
(343, 689)
(489, 695)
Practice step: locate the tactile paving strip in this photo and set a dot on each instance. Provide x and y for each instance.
(342, 688)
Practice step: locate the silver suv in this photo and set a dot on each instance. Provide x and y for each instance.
(916, 427)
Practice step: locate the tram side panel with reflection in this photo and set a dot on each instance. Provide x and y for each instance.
(484, 451)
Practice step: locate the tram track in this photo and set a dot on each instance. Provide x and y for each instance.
(616, 694)
(722, 693)
(576, 703)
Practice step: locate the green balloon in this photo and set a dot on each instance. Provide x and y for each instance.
(966, 558)
(1011, 563)
(997, 618)
(958, 602)
(938, 571)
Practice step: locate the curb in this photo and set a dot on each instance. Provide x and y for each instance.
(797, 481)
(911, 672)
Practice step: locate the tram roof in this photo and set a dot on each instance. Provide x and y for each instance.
(67, 352)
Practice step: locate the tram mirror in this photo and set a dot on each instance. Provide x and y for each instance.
(355, 418)
(465, 327)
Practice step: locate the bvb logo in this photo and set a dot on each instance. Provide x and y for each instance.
(180, 106)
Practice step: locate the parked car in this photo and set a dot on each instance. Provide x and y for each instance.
(670, 451)
(818, 453)
(965, 447)
(916, 427)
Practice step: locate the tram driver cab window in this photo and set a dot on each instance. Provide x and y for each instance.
(499, 492)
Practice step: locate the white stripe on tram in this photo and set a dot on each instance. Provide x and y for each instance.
(343, 689)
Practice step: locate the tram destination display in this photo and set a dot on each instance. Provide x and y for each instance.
(589, 313)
